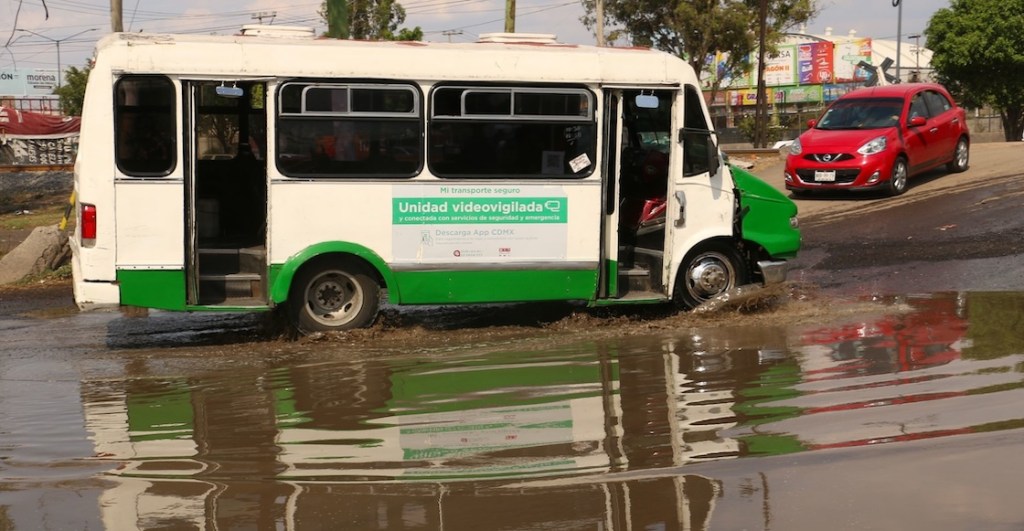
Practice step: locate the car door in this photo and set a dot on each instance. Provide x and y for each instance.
(945, 122)
(920, 140)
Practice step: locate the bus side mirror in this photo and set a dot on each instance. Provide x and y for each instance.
(714, 157)
(700, 152)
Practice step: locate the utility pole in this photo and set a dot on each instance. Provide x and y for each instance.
(116, 24)
(449, 33)
(761, 111)
(600, 22)
(510, 16)
(264, 14)
(917, 56)
(337, 19)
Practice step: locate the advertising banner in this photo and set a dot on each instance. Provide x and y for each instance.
(781, 68)
(462, 223)
(35, 82)
(55, 149)
(773, 95)
(848, 53)
(815, 62)
(801, 94)
(36, 138)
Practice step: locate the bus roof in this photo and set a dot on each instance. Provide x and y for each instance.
(290, 56)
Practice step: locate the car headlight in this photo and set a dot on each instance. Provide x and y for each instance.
(876, 145)
(795, 148)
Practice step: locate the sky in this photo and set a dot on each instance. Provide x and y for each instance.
(32, 39)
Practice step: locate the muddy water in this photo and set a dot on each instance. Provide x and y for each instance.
(895, 413)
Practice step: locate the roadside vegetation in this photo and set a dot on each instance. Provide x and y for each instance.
(20, 213)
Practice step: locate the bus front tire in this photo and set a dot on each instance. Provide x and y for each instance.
(708, 271)
(333, 296)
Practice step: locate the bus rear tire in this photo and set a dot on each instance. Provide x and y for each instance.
(333, 296)
(708, 271)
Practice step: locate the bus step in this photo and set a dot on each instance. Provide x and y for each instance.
(634, 279)
(230, 286)
(226, 261)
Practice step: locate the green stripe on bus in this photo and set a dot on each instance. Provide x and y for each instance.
(457, 287)
(162, 289)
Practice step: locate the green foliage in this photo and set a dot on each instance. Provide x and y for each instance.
(774, 130)
(406, 34)
(72, 92)
(978, 53)
(695, 29)
(374, 20)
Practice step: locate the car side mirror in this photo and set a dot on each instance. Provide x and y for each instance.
(811, 123)
(918, 121)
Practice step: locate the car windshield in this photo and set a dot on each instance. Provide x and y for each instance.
(862, 113)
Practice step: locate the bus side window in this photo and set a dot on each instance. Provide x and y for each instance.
(511, 132)
(144, 125)
(339, 130)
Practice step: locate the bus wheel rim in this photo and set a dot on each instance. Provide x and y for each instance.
(709, 275)
(334, 298)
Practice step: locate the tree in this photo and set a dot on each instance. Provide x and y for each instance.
(695, 29)
(72, 92)
(976, 53)
(375, 20)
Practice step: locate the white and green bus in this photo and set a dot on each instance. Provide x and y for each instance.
(272, 169)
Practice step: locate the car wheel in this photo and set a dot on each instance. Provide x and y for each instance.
(333, 295)
(898, 178)
(708, 271)
(961, 157)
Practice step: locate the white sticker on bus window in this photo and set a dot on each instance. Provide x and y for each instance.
(580, 163)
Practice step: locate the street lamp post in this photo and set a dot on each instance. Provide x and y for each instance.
(60, 74)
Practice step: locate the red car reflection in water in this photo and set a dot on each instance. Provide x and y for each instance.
(928, 334)
(931, 333)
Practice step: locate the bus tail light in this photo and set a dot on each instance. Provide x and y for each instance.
(88, 224)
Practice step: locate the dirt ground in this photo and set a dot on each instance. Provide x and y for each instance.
(30, 200)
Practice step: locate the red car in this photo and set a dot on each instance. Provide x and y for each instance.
(877, 137)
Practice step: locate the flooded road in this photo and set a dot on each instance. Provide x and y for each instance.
(882, 389)
(882, 413)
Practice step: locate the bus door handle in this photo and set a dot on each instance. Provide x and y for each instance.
(681, 219)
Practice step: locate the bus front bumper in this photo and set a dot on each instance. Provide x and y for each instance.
(773, 272)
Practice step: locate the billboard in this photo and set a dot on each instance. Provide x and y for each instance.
(849, 52)
(34, 82)
(815, 62)
(780, 69)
